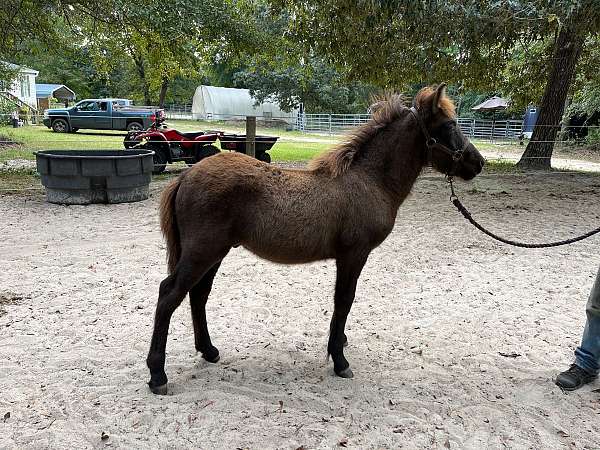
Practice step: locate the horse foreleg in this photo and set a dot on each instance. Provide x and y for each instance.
(198, 298)
(348, 271)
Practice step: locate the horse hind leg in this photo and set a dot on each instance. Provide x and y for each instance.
(173, 289)
(198, 298)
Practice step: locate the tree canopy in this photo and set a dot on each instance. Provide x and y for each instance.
(529, 47)
(329, 55)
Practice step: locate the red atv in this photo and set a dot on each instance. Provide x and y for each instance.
(170, 145)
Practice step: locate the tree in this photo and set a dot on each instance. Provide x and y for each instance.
(468, 42)
(315, 84)
(160, 41)
(567, 48)
(166, 41)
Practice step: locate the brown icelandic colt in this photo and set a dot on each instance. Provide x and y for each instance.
(342, 207)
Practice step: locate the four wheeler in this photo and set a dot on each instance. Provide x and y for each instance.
(170, 145)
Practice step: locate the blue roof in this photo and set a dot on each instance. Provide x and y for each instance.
(43, 90)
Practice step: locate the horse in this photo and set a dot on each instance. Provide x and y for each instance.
(341, 207)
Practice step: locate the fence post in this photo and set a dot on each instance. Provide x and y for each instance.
(251, 136)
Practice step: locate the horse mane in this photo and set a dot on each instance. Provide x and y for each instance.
(445, 104)
(336, 161)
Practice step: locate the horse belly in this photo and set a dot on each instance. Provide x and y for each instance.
(288, 239)
(287, 254)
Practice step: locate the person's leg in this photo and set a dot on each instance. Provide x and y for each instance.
(587, 355)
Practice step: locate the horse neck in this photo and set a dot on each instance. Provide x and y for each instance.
(398, 159)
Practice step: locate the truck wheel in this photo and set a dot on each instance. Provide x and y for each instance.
(159, 159)
(205, 151)
(135, 126)
(264, 157)
(60, 126)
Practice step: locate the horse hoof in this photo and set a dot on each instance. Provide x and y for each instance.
(212, 358)
(158, 390)
(212, 355)
(346, 373)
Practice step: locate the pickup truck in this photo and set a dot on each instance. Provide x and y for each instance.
(102, 114)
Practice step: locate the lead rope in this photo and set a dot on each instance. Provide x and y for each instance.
(467, 215)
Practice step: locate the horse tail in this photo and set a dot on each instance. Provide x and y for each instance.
(168, 223)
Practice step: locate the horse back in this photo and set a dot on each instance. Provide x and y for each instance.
(286, 216)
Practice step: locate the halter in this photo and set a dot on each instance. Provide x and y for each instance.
(430, 142)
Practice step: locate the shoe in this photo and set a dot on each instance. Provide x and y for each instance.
(573, 378)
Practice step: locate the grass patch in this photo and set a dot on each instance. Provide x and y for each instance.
(35, 138)
(297, 151)
(19, 180)
(500, 166)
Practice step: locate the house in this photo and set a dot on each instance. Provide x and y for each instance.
(44, 92)
(22, 90)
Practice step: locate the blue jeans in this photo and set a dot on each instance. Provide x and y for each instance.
(587, 355)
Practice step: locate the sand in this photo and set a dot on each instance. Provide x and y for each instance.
(454, 339)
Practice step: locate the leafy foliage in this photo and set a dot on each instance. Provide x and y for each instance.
(317, 85)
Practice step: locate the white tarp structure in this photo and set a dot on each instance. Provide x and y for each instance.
(219, 103)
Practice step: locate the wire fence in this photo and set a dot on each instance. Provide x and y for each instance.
(323, 124)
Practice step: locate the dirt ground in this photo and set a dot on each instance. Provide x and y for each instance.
(454, 339)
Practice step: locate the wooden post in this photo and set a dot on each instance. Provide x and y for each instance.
(251, 136)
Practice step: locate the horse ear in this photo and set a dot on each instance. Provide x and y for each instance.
(437, 97)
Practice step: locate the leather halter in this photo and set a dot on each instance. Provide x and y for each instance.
(431, 143)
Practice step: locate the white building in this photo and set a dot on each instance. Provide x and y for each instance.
(22, 90)
(219, 103)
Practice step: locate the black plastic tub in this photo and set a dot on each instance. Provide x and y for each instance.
(81, 177)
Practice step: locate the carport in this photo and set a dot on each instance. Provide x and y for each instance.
(58, 91)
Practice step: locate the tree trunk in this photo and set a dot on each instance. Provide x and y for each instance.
(163, 93)
(566, 51)
(141, 70)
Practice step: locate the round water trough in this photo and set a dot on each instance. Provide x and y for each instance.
(80, 177)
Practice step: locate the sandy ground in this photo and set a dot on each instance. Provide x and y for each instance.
(454, 339)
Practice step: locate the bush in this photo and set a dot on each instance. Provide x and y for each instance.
(6, 111)
(593, 136)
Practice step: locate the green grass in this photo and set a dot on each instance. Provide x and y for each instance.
(19, 180)
(35, 138)
(500, 166)
(297, 151)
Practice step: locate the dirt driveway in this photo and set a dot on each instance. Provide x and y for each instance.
(454, 339)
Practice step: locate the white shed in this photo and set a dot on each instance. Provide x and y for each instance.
(220, 103)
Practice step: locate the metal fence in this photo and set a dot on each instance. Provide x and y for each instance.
(491, 129)
(174, 111)
(329, 123)
(340, 123)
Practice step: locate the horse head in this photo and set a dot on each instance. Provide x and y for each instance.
(448, 150)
